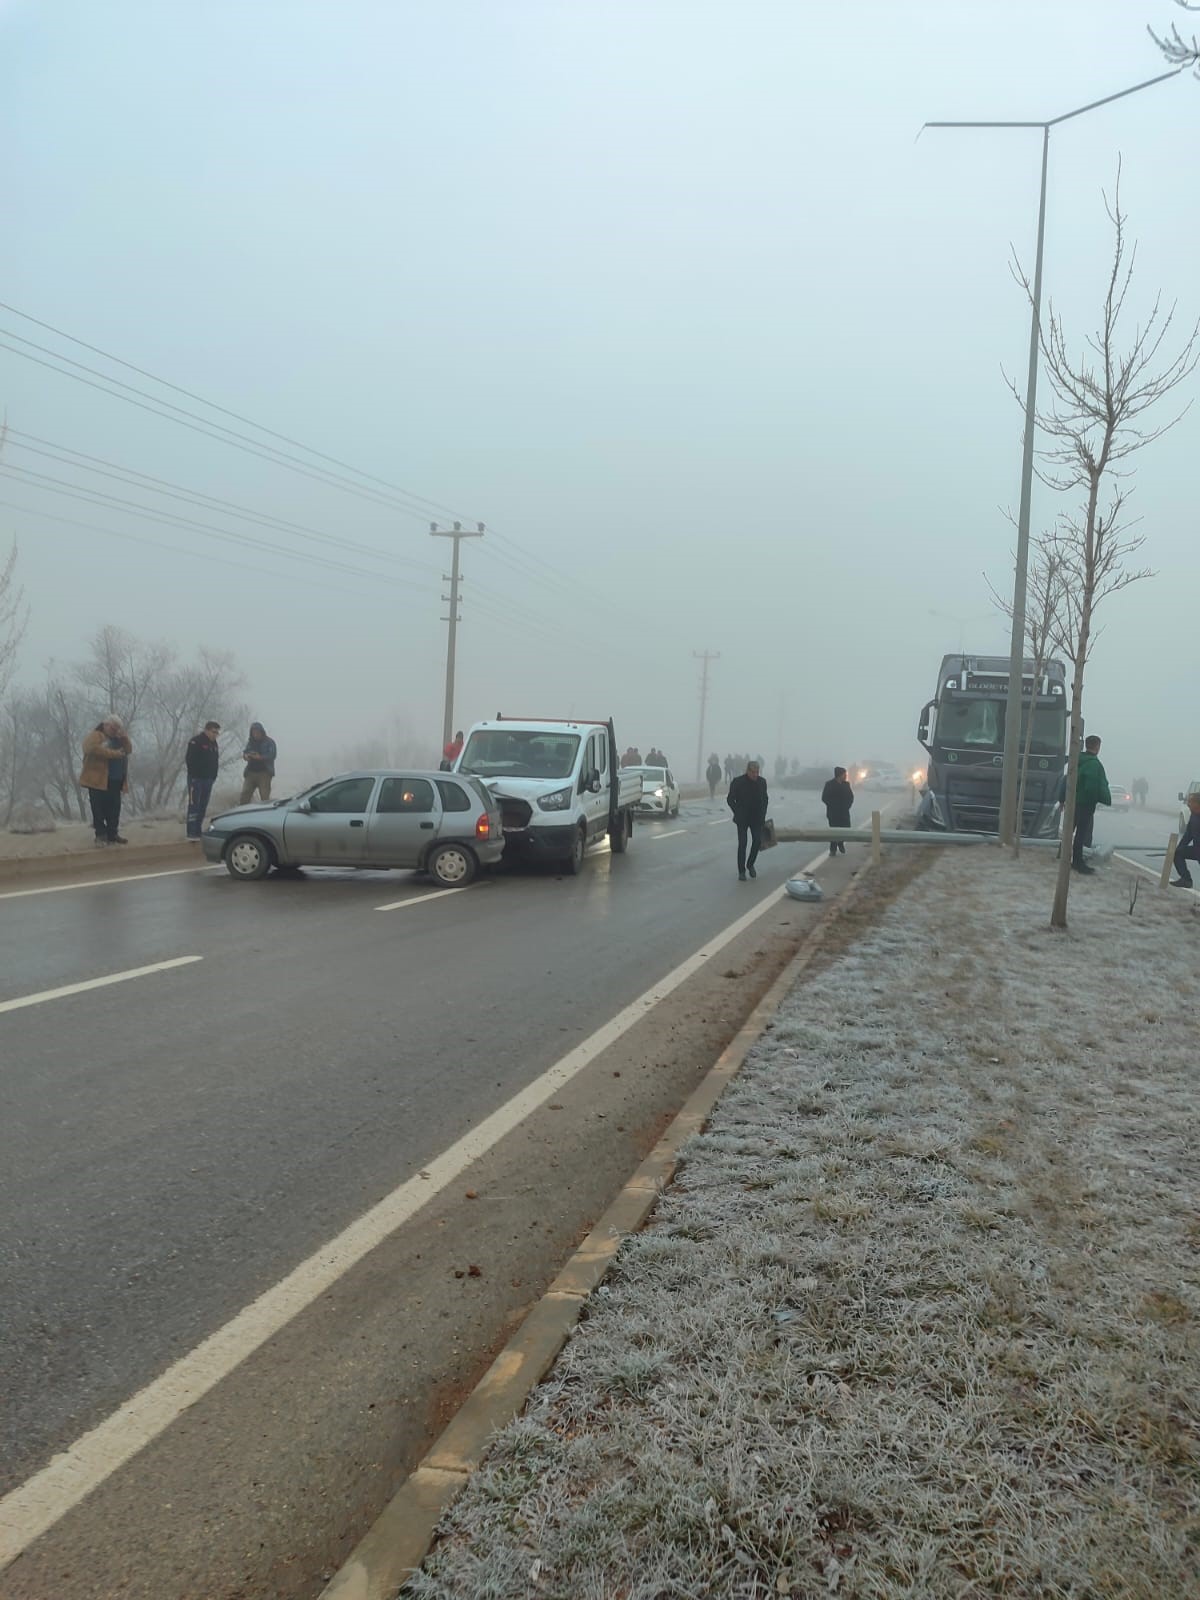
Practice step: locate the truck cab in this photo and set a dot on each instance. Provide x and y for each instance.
(962, 729)
(559, 785)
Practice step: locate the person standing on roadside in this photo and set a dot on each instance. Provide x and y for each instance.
(203, 759)
(1188, 848)
(837, 797)
(452, 751)
(105, 776)
(1140, 789)
(713, 774)
(747, 799)
(1091, 790)
(259, 756)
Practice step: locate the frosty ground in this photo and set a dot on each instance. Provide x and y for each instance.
(919, 1314)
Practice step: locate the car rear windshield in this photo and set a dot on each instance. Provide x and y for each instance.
(519, 753)
(652, 774)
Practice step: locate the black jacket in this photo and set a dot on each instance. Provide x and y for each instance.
(747, 799)
(837, 797)
(202, 757)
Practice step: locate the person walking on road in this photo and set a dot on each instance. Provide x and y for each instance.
(1140, 789)
(259, 756)
(713, 774)
(837, 797)
(747, 799)
(105, 776)
(1188, 848)
(1091, 790)
(203, 759)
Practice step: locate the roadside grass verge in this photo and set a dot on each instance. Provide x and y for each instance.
(920, 1315)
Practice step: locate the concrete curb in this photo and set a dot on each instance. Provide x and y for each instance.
(399, 1539)
(13, 869)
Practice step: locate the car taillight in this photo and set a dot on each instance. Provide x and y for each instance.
(483, 827)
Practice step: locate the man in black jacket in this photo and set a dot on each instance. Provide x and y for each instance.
(747, 799)
(837, 797)
(203, 759)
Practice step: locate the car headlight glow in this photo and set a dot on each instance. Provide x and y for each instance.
(556, 800)
(658, 794)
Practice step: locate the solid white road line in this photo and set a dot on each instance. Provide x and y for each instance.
(420, 899)
(28, 1511)
(95, 983)
(671, 833)
(99, 883)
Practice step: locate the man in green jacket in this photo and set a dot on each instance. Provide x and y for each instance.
(1091, 790)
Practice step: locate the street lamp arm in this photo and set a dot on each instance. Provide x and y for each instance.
(1109, 98)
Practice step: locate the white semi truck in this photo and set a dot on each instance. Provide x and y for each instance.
(559, 785)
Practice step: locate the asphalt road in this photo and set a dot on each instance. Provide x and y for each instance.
(173, 1144)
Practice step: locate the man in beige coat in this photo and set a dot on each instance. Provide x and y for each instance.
(105, 776)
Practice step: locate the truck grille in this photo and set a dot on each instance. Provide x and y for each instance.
(514, 814)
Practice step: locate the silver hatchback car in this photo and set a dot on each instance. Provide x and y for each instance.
(436, 822)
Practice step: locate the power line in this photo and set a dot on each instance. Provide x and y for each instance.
(177, 491)
(431, 505)
(109, 502)
(177, 550)
(216, 430)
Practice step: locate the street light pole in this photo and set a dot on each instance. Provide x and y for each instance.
(1009, 823)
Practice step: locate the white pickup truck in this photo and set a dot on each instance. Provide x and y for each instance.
(559, 785)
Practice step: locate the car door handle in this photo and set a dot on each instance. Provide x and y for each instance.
(357, 822)
(427, 824)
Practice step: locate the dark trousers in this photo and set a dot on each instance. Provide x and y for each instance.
(106, 811)
(1085, 821)
(837, 846)
(754, 831)
(199, 790)
(1183, 854)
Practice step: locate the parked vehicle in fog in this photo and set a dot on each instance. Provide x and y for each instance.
(660, 792)
(442, 824)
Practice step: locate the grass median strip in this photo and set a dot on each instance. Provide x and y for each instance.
(918, 1316)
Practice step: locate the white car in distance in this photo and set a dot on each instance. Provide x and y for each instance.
(660, 792)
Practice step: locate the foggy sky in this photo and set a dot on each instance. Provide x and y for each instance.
(667, 293)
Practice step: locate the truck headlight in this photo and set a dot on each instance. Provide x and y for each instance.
(557, 800)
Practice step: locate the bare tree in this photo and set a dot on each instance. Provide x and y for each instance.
(14, 614)
(1095, 423)
(1179, 51)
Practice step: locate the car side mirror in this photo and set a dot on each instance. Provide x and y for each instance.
(594, 783)
(305, 806)
(1181, 796)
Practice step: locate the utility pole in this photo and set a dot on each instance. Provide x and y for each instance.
(457, 533)
(703, 656)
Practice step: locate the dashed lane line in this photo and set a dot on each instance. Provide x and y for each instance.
(421, 899)
(94, 983)
(671, 833)
(99, 883)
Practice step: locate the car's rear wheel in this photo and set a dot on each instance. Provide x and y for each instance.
(248, 857)
(452, 865)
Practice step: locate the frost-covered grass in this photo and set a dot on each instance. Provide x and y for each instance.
(919, 1316)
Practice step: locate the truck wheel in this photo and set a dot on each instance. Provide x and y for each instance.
(451, 865)
(618, 838)
(248, 857)
(573, 865)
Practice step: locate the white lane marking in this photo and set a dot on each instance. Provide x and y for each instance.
(95, 983)
(98, 883)
(420, 899)
(28, 1511)
(718, 822)
(671, 833)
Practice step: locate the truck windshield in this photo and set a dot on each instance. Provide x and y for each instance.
(979, 724)
(519, 753)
